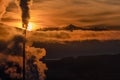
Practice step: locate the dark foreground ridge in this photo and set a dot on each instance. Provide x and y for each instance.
(79, 48)
(104, 67)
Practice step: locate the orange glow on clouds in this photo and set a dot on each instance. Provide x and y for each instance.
(31, 26)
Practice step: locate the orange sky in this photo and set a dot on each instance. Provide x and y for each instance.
(46, 13)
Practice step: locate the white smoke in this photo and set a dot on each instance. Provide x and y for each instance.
(33, 56)
(12, 62)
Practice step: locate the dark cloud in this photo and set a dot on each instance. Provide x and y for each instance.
(10, 19)
(90, 20)
(3, 5)
(99, 19)
(110, 2)
(11, 7)
(3, 31)
(107, 13)
(79, 2)
(3, 45)
(15, 45)
(40, 1)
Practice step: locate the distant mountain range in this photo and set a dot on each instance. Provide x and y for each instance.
(72, 27)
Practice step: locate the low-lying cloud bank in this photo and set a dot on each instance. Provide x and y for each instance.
(7, 32)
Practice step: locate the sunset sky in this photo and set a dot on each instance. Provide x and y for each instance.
(59, 36)
(55, 13)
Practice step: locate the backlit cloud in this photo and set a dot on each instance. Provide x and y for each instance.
(46, 13)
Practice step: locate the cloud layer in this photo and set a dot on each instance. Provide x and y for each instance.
(58, 12)
(59, 36)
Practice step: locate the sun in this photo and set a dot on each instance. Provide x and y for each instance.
(30, 27)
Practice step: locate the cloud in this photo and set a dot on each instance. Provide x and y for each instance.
(110, 2)
(11, 7)
(62, 36)
(35, 54)
(11, 41)
(47, 13)
(55, 13)
(11, 63)
(8, 33)
(3, 5)
(106, 13)
(99, 19)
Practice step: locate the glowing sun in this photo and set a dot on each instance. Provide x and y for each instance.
(30, 27)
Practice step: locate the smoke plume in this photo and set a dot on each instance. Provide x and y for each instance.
(24, 5)
(11, 61)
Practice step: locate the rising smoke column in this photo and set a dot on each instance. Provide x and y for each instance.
(34, 66)
(25, 8)
(24, 5)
